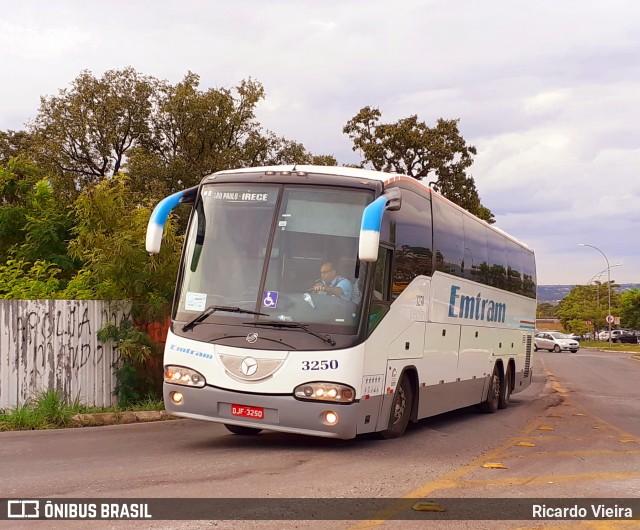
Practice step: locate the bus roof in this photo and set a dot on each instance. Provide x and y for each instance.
(358, 173)
(342, 171)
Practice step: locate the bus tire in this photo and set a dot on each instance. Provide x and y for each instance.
(505, 395)
(243, 431)
(493, 396)
(400, 410)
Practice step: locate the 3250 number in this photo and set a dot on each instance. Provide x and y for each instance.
(320, 365)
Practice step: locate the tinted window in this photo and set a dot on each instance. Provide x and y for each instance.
(497, 259)
(514, 267)
(413, 256)
(380, 303)
(528, 274)
(448, 238)
(476, 260)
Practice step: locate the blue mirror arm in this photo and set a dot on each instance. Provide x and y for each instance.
(161, 213)
(372, 223)
(370, 229)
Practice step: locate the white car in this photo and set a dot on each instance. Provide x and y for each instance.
(615, 333)
(555, 341)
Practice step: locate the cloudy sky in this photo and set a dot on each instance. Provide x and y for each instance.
(548, 91)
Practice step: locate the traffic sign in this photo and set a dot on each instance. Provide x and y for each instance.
(610, 319)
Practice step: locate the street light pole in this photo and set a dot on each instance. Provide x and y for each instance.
(599, 274)
(608, 283)
(597, 277)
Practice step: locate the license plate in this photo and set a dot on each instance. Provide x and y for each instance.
(247, 412)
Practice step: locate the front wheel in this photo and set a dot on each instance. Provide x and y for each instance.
(556, 349)
(535, 348)
(493, 397)
(574, 351)
(400, 410)
(243, 431)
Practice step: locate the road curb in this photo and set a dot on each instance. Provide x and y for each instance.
(117, 418)
(634, 354)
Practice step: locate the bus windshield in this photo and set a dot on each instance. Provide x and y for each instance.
(263, 248)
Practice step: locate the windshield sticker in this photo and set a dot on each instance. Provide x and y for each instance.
(270, 299)
(195, 301)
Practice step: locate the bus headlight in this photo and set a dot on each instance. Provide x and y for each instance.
(178, 375)
(319, 391)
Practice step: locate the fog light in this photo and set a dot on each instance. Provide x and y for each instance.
(177, 397)
(330, 417)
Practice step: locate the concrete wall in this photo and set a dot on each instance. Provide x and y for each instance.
(53, 344)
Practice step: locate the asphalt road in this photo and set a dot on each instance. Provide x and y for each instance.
(578, 422)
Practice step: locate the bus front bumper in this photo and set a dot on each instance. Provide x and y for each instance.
(281, 413)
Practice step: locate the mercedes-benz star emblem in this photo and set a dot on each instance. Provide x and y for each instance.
(252, 337)
(249, 366)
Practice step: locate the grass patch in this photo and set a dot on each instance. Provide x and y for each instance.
(48, 410)
(604, 345)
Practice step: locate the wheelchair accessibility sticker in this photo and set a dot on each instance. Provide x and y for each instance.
(270, 299)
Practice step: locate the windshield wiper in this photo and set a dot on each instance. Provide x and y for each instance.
(294, 325)
(212, 309)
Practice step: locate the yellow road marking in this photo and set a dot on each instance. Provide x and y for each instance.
(451, 480)
(545, 479)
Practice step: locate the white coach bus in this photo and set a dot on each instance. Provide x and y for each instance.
(333, 301)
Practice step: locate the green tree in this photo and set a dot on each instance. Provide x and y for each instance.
(84, 133)
(14, 144)
(20, 280)
(546, 310)
(110, 241)
(411, 147)
(587, 303)
(196, 132)
(34, 225)
(630, 309)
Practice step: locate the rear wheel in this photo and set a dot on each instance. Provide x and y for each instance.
(505, 395)
(495, 390)
(556, 348)
(239, 429)
(400, 410)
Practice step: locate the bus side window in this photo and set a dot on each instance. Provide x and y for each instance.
(380, 295)
(413, 244)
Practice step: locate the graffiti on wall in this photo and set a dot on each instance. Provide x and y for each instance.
(53, 344)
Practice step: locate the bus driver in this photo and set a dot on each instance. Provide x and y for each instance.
(331, 283)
